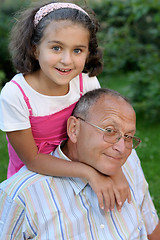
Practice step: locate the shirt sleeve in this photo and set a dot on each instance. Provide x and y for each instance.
(11, 218)
(14, 114)
(15, 222)
(147, 207)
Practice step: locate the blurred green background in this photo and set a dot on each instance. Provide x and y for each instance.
(130, 38)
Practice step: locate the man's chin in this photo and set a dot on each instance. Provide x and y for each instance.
(110, 171)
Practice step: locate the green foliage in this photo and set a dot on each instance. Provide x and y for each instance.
(129, 32)
(4, 158)
(129, 36)
(2, 77)
(145, 92)
(7, 10)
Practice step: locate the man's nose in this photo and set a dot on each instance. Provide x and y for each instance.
(120, 145)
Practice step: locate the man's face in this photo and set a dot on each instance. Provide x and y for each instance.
(91, 148)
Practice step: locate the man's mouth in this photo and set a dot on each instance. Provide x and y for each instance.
(113, 157)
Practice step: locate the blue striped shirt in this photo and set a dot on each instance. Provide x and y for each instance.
(34, 206)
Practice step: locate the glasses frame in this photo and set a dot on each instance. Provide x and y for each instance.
(138, 140)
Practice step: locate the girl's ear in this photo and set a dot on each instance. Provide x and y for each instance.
(73, 128)
(88, 56)
(35, 52)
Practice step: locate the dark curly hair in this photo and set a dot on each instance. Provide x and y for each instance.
(24, 37)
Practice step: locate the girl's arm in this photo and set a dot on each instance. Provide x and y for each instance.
(122, 186)
(25, 147)
(23, 143)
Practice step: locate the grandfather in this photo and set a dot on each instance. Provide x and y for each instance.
(101, 131)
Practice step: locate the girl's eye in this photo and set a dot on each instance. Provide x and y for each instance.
(77, 50)
(56, 48)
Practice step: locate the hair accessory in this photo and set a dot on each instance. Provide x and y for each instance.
(43, 11)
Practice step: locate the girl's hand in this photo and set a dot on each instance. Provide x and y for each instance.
(122, 186)
(106, 190)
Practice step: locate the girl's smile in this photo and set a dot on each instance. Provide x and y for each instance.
(62, 54)
(63, 71)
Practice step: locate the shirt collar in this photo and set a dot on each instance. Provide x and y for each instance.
(78, 184)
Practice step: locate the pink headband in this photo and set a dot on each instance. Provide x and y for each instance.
(43, 11)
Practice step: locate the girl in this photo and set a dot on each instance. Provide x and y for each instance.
(54, 48)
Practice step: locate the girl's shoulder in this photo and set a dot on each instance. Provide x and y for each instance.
(89, 83)
(17, 88)
(10, 87)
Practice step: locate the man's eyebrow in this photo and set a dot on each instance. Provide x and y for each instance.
(115, 124)
(110, 121)
(132, 130)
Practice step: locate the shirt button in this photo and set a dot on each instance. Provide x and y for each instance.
(102, 226)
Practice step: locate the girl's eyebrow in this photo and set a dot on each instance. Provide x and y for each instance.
(58, 42)
(54, 41)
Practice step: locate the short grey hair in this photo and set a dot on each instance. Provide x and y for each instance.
(90, 98)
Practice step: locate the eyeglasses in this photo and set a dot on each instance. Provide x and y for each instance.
(113, 136)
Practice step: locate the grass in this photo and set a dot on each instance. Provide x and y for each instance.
(148, 151)
(3, 156)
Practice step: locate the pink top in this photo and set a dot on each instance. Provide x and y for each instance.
(48, 131)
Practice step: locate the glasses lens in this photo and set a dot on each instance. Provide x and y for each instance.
(136, 142)
(132, 142)
(111, 136)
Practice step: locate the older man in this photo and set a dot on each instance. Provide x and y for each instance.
(101, 135)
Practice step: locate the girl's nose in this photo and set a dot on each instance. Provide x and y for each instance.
(66, 58)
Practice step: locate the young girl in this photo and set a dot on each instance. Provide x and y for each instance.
(54, 48)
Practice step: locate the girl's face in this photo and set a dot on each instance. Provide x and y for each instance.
(62, 54)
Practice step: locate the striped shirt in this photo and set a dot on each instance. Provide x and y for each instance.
(34, 206)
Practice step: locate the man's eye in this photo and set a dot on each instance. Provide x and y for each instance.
(77, 50)
(128, 138)
(110, 131)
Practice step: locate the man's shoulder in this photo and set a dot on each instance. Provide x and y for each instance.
(21, 181)
(133, 160)
(132, 166)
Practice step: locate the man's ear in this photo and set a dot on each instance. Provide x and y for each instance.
(73, 128)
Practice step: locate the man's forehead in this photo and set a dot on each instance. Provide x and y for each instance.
(110, 103)
(111, 107)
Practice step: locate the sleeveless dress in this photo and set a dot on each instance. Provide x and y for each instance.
(48, 131)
